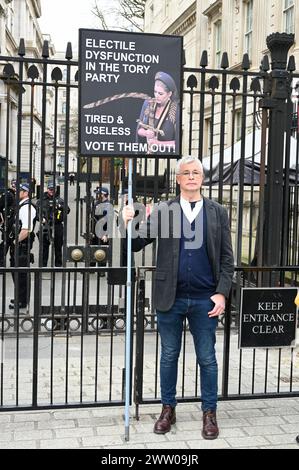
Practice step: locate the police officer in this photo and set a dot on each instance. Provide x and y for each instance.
(100, 209)
(72, 179)
(7, 218)
(53, 216)
(20, 250)
(98, 212)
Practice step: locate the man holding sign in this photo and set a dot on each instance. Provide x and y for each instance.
(192, 280)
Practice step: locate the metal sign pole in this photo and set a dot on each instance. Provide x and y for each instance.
(128, 309)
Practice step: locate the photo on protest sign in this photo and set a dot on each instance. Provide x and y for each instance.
(129, 94)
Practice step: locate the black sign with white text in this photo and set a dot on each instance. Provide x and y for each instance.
(268, 317)
(129, 94)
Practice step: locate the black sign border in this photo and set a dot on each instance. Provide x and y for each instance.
(133, 154)
(240, 322)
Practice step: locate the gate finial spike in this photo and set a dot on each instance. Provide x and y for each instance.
(224, 61)
(291, 64)
(192, 82)
(265, 65)
(245, 62)
(69, 51)
(45, 51)
(21, 50)
(204, 59)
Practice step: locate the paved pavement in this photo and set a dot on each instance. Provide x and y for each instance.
(254, 424)
(250, 424)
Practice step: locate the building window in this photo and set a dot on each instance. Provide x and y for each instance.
(207, 137)
(166, 5)
(10, 17)
(288, 14)
(63, 108)
(238, 125)
(61, 160)
(218, 34)
(248, 28)
(62, 135)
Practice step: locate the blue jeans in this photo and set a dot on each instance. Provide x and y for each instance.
(202, 328)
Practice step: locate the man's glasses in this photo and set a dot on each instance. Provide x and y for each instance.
(194, 173)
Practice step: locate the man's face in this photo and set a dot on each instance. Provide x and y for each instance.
(50, 192)
(23, 194)
(190, 177)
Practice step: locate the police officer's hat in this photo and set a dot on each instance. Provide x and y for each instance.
(102, 190)
(50, 185)
(24, 187)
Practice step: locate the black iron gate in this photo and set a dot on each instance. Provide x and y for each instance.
(66, 348)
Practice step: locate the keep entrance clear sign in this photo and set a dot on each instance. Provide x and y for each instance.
(268, 317)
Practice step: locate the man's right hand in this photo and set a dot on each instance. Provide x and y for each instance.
(128, 214)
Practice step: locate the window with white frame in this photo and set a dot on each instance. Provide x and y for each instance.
(151, 10)
(288, 14)
(207, 136)
(61, 160)
(218, 37)
(238, 124)
(62, 135)
(166, 6)
(248, 28)
(10, 16)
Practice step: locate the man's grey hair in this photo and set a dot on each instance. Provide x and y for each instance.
(188, 159)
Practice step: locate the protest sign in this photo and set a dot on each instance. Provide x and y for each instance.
(129, 94)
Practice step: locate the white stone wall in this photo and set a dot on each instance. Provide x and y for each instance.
(19, 19)
(61, 120)
(199, 35)
(196, 22)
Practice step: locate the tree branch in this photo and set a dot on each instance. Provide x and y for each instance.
(131, 11)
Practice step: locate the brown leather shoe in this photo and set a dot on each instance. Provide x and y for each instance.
(210, 428)
(166, 419)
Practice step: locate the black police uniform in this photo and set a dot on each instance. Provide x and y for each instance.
(7, 219)
(53, 213)
(96, 217)
(99, 206)
(24, 258)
